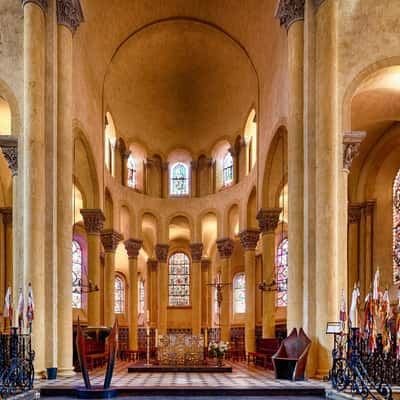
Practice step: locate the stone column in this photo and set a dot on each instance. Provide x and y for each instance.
(152, 291)
(8, 247)
(165, 179)
(162, 256)
(34, 166)
(110, 240)
(291, 15)
(194, 178)
(133, 247)
(225, 248)
(93, 219)
(243, 160)
(368, 246)
(268, 219)
(354, 211)
(249, 239)
(69, 16)
(205, 297)
(197, 251)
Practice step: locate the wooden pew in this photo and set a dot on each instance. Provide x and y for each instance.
(265, 349)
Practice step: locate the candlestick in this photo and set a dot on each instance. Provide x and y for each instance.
(147, 315)
(205, 337)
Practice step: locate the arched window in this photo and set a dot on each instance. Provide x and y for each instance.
(228, 169)
(282, 272)
(141, 296)
(131, 164)
(396, 228)
(239, 293)
(179, 179)
(119, 295)
(76, 274)
(179, 280)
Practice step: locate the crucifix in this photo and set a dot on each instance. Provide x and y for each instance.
(218, 285)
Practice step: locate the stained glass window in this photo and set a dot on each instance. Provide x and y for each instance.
(179, 280)
(282, 272)
(179, 179)
(141, 296)
(228, 169)
(131, 164)
(76, 275)
(239, 293)
(119, 295)
(396, 229)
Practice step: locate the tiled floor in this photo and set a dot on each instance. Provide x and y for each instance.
(241, 376)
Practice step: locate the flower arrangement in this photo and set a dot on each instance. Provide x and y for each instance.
(218, 349)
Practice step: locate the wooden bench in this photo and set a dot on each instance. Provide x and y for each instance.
(265, 349)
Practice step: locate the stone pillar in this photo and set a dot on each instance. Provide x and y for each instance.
(194, 178)
(197, 251)
(93, 219)
(291, 15)
(243, 160)
(152, 291)
(205, 297)
(354, 211)
(268, 219)
(133, 247)
(110, 240)
(69, 16)
(225, 248)
(162, 256)
(8, 247)
(368, 246)
(249, 239)
(165, 179)
(34, 166)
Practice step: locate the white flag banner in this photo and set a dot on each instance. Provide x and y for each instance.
(7, 305)
(353, 317)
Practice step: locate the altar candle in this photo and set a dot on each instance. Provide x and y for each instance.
(156, 344)
(147, 315)
(205, 337)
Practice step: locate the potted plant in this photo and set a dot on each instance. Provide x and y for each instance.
(218, 349)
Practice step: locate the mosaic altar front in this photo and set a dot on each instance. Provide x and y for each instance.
(180, 349)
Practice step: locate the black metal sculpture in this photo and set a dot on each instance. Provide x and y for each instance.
(105, 391)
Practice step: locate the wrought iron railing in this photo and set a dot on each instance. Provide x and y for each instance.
(355, 368)
(16, 363)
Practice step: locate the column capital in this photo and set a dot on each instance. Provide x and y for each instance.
(162, 252)
(165, 165)
(152, 263)
(205, 263)
(133, 247)
(110, 240)
(194, 165)
(93, 219)
(290, 11)
(197, 251)
(7, 215)
(225, 247)
(351, 147)
(354, 213)
(41, 3)
(249, 238)
(69, 14)
(268, 219)
(317, 3)
(369, 206)
(9, 147)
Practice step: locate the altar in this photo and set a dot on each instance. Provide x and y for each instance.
(180, 352)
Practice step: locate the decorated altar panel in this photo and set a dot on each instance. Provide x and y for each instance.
(180, 349)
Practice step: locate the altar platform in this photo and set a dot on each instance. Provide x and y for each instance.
(207, 368)
(244, 380)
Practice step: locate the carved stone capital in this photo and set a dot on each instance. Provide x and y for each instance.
(9, 147)
(41, 3)
(268, 219)
(194, 165)
(205, 263)
(369, 207)
(210, 162)
(152, 264)
(133, 247)
(165, 166)
(225, 247)
(317, 3)
(7, 215)
(351, 147)
(249, 238)
(197, 251)
(354, 213)
(290, 11)
(110, 240)
(162, 252)
(69, 14)
(93, 218)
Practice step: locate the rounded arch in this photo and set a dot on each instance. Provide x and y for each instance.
(250, 136)
(149, 230)
(209, 231)
(180, 226)
(127, 223)
(9, 97)
(232, 220)
(109, 210)
(216, 212)
(251, 210)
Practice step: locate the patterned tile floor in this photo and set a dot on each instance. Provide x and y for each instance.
(242, 375)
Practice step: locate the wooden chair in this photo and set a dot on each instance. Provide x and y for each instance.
(291, 358)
